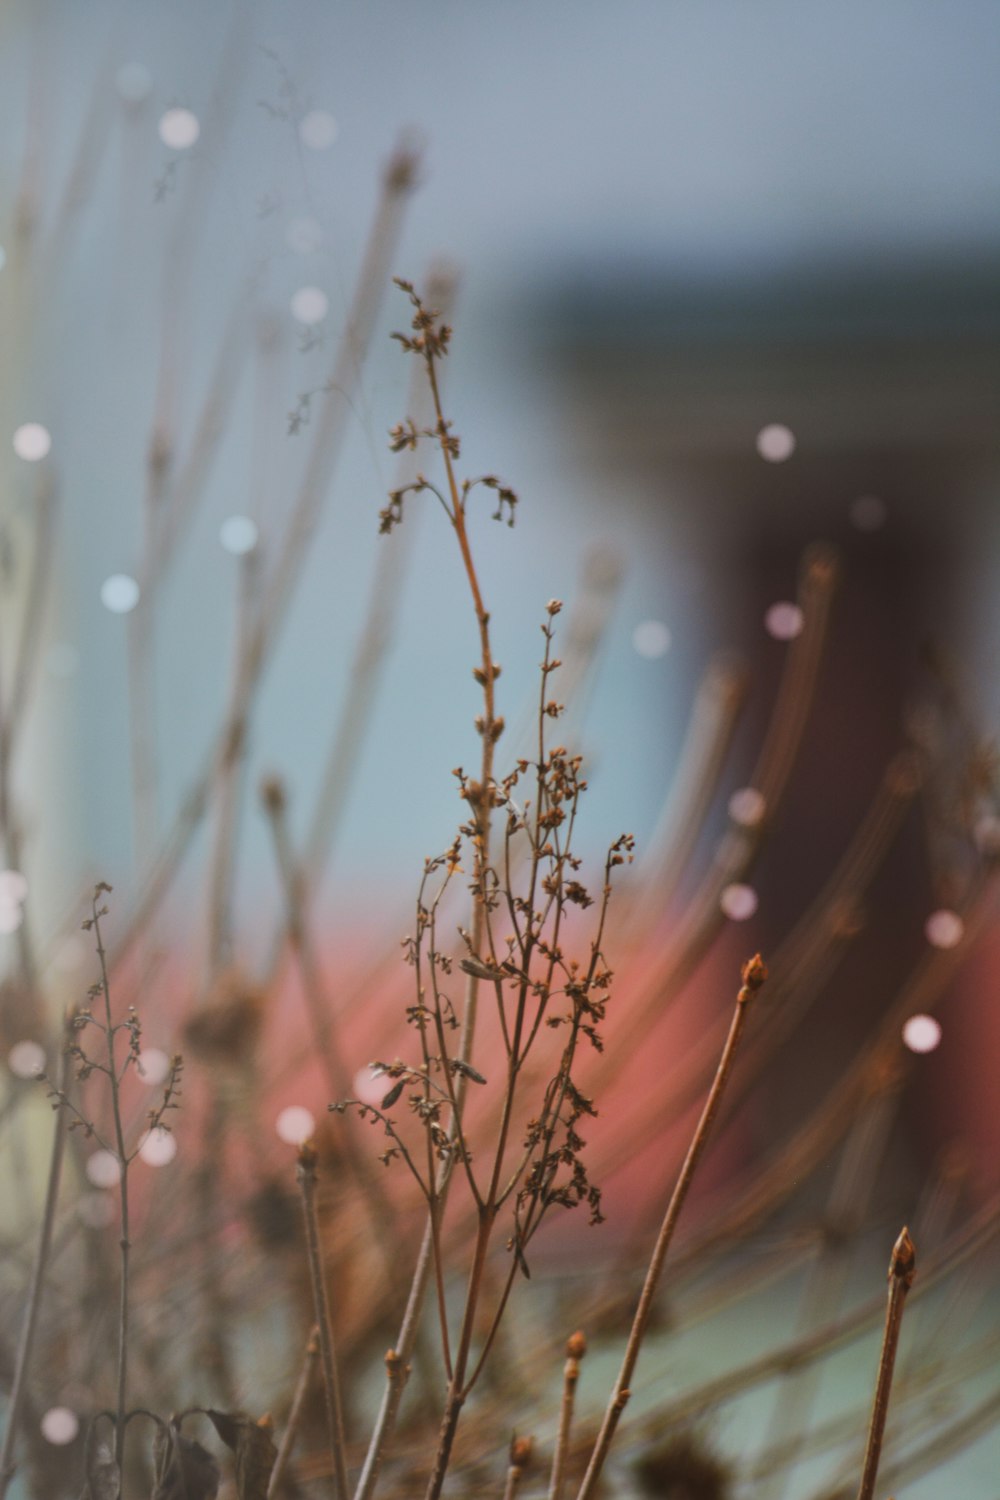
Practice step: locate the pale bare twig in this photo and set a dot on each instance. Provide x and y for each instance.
(331, 1378)
(754, 975)
(902, 1267)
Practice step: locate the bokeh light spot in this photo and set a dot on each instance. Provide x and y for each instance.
(158, 1147)
(154, 1065)
(59, 1426)
(738, 902)
(120, 593)
(179, 129)
(747, 807)
(784, 621)
(309, 305)
(102, 1169)
(318, 130)
(775, 443)
(295, 1124)
(369, 1086)
(651, 639)
(944, 928)
(238, 535)
(26, 1059)
(32, 442)
(922, 1033)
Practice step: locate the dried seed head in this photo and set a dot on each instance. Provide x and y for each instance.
(554, 606)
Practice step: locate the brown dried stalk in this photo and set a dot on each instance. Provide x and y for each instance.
(434, 344)
(291, 1431)
(973, 1237)
(576, 1348)
(26, 1342)
(902, 1268)
(754, 975)
(331, 1380)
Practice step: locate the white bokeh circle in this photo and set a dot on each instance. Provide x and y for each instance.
(120, 593)
(775, 443)
(921, 1033)
(318, 130)
(158, 1147)
(179, 129)
(309, 305)
(102, 1169)
(32, 442)
(944, 928)
(651, 639)
(26, 1059)
(295, 1124)
(784, 620)
(238, 535)
(59, 1426)
(738, 902)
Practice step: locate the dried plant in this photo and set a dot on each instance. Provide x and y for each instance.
(505, 1075)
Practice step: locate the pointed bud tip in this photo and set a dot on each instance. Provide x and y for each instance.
(904, 1258)
(754, 972)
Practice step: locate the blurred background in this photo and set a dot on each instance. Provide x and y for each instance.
(726, 295)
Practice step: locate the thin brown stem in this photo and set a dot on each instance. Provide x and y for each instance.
(291, 1431)
(29, 1326)
(331, 1380)
(754, 974)
(576, 1348)
(520, 1458)
(902, 1268)
(123, 1166)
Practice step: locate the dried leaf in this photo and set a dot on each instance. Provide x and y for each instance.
(183, 1469)
(255, 1451)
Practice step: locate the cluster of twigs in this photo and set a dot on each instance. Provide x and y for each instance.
(509, 1018)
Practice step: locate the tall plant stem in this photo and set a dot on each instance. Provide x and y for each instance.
(576, 1348)
(28, 1327)
(291, 1431)
(902, 1268)
(754, 974)
(331, 1379)
(123, 1166)
(482, 811)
